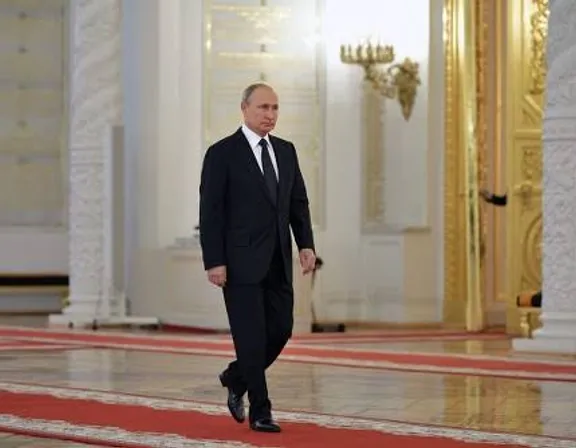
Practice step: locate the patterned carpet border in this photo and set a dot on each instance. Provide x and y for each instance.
(107, 435)
(98, 338)
(329, 421)
(395, 339)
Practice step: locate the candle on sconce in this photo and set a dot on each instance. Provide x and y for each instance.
(367, 50)
(370, 52)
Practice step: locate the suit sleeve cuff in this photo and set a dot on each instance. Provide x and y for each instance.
(209, 264)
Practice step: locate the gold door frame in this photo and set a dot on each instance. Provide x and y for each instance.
(521, 28)
(463, 304)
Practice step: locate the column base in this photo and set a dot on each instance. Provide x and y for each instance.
(95, 312)
(557, 335)
(93, 305)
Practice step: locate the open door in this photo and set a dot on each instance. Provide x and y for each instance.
(527, 22)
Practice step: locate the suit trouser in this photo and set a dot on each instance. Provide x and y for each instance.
(261, 321)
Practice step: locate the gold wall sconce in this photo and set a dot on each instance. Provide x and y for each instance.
(398, 81)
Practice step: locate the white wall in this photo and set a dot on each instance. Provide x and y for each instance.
(406, 26)
(390, 275)
(436, 139)
(32, 139)
(163, 123)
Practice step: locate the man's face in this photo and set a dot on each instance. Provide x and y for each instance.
(261, 110)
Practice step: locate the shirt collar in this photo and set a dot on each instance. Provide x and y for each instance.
(253, 138)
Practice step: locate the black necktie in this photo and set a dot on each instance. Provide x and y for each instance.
(268, 169)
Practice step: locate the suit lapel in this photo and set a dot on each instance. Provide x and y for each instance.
(252, 163)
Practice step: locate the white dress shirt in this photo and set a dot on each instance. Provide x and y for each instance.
(254, 141)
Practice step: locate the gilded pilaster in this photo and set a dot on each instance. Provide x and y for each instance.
(463, 296)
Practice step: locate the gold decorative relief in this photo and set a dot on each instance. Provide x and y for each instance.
(454, 282)
(532, 255)
(481, 111)
(538, 33)
(532, 163)
(529, 194)
(531, 116)
(524, 118)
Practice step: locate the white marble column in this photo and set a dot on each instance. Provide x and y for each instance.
(95, 107)
(162, 69)
(558, 332)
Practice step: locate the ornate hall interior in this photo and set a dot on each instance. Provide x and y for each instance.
(435, 139)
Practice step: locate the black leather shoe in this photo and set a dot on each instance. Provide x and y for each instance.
(265, 425)
(235, 403)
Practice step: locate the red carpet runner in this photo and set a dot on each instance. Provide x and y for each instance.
(133, 421)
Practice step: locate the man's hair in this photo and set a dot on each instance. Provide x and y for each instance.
(248, 91)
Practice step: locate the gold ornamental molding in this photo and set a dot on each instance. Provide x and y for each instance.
(538, 33)
(398, 81)
(481, 41)
(464, 122)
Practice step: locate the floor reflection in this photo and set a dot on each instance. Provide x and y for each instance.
(485, 403)
(493, 347)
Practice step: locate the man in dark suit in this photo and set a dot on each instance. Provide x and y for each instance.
(251, 193)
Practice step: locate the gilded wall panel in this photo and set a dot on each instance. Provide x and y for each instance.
(538, 31)
(527, 28)
(505, 113)
(272, 41)
(32, 108)
(455, 268)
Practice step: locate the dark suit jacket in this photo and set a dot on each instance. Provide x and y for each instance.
(498, 200)
(239, 223)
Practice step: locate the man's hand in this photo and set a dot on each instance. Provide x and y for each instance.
(217, 276)
(485, 194)
(307, 260)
